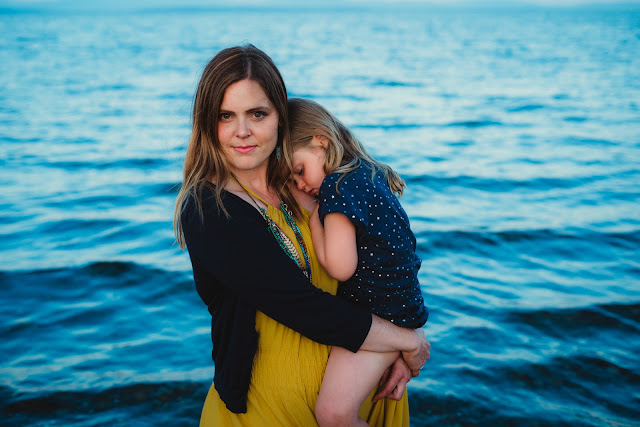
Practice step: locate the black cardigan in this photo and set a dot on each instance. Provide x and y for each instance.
(239, 268)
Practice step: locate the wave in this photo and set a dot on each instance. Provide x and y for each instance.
(575, 119)
(474, 123)
(525, 108)
(582, 141)
(583, 387)
(78, 225)
(392, 126)
(108, 274)
(94, 234)
(148, 403)
(82, 297)
(505, 185)
(491, 404)
(480, 396)
(19, 140)
(131, 163)
(575, 381)
(162, 188)
(329, 96)
(574, 243)
(449, 409)
(399, 126)
(577, 322)
(113, 195)
(395, 83)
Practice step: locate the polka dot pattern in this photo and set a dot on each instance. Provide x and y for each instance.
(386, 278)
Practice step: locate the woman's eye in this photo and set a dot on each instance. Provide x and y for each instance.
(225, 116)
(259, 114)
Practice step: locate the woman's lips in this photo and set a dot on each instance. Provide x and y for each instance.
(244, 149)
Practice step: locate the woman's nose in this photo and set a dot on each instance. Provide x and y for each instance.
(242, 130)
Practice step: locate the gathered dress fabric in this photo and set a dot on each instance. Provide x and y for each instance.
(288, 367)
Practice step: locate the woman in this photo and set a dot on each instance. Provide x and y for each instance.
(273, 312)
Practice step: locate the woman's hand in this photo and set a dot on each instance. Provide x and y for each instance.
(417, 357)
(394, 381)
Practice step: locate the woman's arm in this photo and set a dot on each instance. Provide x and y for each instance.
(240, 255)
(335, 244)
(385, 336)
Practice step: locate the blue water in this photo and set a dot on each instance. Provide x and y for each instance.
(517, 131)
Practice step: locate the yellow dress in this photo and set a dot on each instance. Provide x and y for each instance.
(288, 368)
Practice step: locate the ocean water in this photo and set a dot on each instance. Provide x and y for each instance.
(517, 131)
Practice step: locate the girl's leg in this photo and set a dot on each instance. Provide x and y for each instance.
(348, 380)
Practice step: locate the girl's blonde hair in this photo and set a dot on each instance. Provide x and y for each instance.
(344, 152)
(205, 159)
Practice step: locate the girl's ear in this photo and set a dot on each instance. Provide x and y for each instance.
(322, 141)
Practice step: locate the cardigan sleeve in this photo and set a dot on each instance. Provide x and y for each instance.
(245, 259)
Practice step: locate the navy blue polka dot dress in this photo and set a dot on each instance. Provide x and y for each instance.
(386, 278)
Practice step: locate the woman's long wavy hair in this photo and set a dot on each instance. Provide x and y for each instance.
(344, 153)
(205, 159)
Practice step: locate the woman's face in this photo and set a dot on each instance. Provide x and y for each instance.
(247, 126)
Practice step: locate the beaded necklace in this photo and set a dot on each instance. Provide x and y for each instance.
(281, 237)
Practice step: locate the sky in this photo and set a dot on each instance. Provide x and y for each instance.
(152, 4)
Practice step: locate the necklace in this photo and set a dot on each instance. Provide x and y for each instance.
(281, 237)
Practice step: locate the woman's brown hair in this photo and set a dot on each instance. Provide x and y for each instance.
(205, 159)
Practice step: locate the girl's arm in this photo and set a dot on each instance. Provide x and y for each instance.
(335, 244)
(384, 336)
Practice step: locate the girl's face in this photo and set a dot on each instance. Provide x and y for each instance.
(247, 126)
(308, 165)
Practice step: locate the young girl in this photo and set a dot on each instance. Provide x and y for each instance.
(362, 238)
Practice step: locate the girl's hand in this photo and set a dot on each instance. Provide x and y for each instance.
(394, 381)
